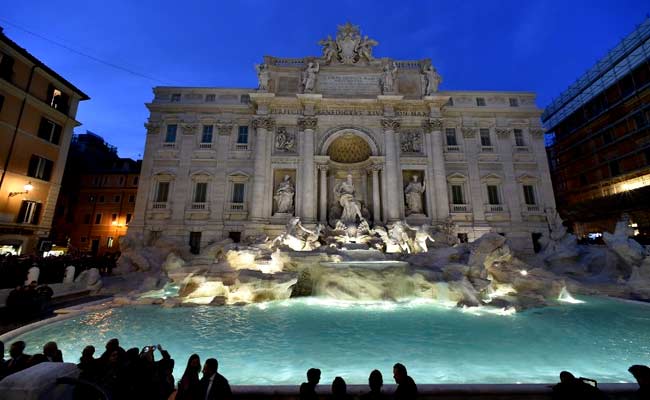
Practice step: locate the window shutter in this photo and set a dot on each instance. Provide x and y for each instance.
(50, 93)
(21, 213)
(56, 136)
(47, 171)
(33, 166)
(37, 213)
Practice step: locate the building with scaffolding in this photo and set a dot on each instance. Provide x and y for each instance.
(598, 138)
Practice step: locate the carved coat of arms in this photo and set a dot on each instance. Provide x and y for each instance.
(349, 47)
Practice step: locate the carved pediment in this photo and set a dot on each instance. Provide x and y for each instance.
(456, 177)
(491, 177)
(527, 178)
(348, 47)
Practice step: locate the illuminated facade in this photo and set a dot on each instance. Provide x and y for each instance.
(375, 132)
(37, 115)
(600, 153)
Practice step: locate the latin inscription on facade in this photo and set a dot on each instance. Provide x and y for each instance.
(348, 85)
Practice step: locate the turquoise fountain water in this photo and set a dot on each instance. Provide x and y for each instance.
(276, 342)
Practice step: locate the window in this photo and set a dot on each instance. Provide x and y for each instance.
(162, 191)
(176, 97)
(117, 198)
(485, 137)
(480, 101)
(40, 168)
(614, 168)
(639, 120)
(607, 136)
(210, 98)
(113, 217)
(109, 242)
(245, 99)
(195, 242)
(87, 219)
(493, 194)
(200, 192)
(238, 193)
(29, 212)
(131, 198)
(135, 180)
(529, 195)
(121, 180)
(242, 136)
(457, 194)
(57, 99)
(514, 102)
(98, 218)
(519, 137)
(105, 181)
(206, 137)
(6, 67)
(128, 218)
(451, 136)
(101, 199)
(170, 137)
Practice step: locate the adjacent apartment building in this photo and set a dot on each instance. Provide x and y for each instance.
(97, 198)
(231, 162)
(600, 140)
(37, 116)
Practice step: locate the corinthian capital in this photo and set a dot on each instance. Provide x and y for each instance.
(390, 124)
(433, 124)
(307, 123)
(264, 123)
(224, 128)
(189, 129)
(152, 128)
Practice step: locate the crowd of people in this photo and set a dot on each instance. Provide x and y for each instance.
(136, 374)
(14, 268)
(26, 301)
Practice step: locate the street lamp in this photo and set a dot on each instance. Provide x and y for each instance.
(26, 189)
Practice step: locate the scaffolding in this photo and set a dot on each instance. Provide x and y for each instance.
(621, 60)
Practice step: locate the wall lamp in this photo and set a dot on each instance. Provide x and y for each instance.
(26, 189)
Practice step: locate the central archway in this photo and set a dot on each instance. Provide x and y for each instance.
(349, 149)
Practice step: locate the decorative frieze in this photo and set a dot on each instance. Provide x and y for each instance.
(307, 123)
(433, 124)
(189, 129)
(503, 133)
(224, 128)
(411, 141)
(469, 133)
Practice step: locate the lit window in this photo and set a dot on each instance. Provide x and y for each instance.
(109, 242)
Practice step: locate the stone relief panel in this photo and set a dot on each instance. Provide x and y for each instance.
(411, 141)
(285, 140)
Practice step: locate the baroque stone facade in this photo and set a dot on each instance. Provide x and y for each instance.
(237, 162)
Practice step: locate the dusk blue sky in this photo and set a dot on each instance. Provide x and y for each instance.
(539, 46)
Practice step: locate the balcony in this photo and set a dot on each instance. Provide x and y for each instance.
(459, 208)
(521, 149)
(487, 149)
(453, 149)
(239, 207)
(170, 145)
(241, 146)
(159, 205)
(205, 145)
(533, 208)
(199, 206)
(494, 208)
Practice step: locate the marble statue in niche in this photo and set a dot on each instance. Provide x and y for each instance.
(413, 193)
(388, 77)
(263, 77)
(284, 196)
(345, 192)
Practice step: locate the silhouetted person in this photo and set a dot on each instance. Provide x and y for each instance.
(572, 388)
(89, 367)
(113, 344)
(111, 375)
(375, 381)
(406, 388)
(339, 389)
(52, 353)
(165, 378)
(19, 360)
(189, 385)
(213, 385)
(642, 375)
(308, 389)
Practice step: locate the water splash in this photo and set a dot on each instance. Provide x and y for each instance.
(565, 297)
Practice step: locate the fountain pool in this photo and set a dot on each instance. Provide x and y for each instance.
(276, 342)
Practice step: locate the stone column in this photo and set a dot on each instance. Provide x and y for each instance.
(511, 194)
(434, 125)
(308, 191)
(545, 196)
(218, 200)
(262, 127)
(323, 193)
(392, 169)
(376, 201)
